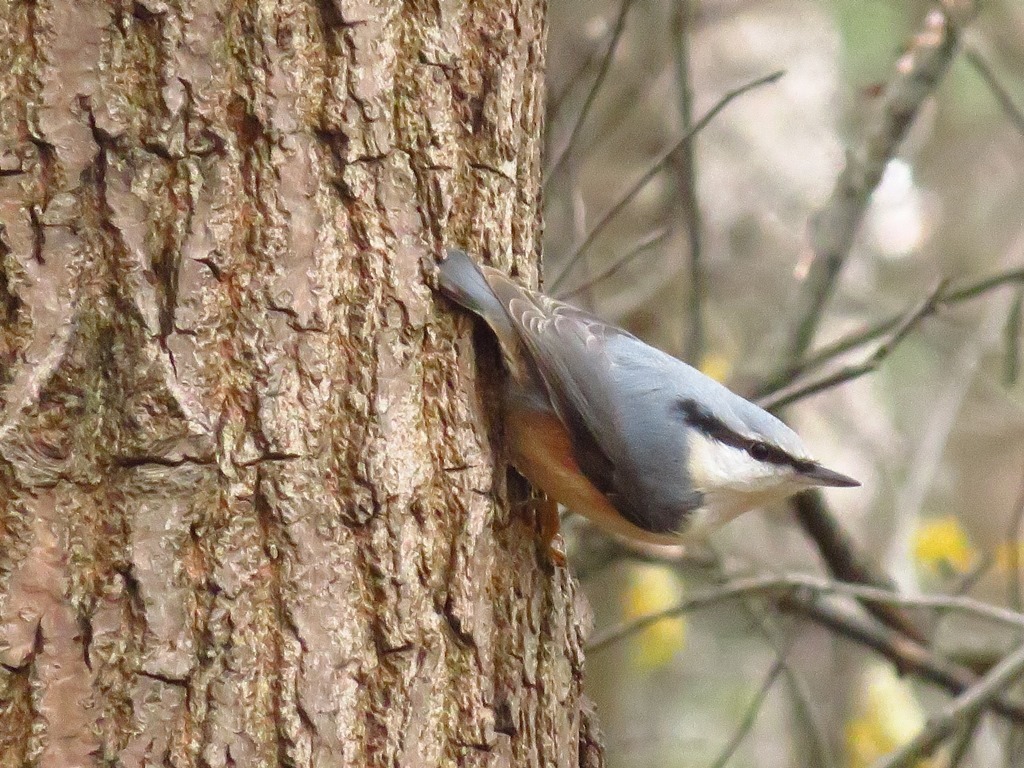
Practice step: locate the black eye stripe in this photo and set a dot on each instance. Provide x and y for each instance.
(714, 428)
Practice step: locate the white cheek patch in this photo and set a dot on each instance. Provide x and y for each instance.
(717, 466)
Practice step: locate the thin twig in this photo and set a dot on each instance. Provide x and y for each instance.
(776, 587)
(1014, 537)
(801, 594)
(962, 586)
(844, 561)
(833, 229)
(1014, 748)
(875, 331)
(906, 655)
(577, 253)
(926, 456)
(965, 737)
(965, 583)
(750, 716)
(683, 14)
(602, 73)
(964, 706)
(642, 245)
(1011, 339)
(802, 699)
(557, 100)
(1002, 95)
(784, 397)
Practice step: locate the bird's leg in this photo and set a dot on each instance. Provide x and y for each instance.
(545, 513)
(550, 531)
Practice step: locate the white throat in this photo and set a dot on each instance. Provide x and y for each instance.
(732, 483)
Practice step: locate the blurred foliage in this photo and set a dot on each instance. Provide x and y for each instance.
(717, 366)
(651, 589)
(935, 435)
(886, 716)
(941, 547)
(1009, 556)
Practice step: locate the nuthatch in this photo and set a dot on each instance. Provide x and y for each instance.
(614, 429)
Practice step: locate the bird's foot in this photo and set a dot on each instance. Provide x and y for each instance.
(545, 512)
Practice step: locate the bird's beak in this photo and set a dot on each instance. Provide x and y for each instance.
(818, 475)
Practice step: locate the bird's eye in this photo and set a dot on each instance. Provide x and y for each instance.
(760, 451)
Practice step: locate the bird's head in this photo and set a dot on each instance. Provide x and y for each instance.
(739, 457)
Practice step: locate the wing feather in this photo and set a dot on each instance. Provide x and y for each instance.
(599, 379)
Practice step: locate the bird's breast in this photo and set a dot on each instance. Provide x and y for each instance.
(542, 451)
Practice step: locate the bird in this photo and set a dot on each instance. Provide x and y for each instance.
(644, 445)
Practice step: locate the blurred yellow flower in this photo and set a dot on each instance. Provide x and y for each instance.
(887, 716)
(941, 544)
(651, 589)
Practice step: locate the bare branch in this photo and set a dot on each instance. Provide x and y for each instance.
(802, 699)
(844, 561)
(1014, 540)
(833, 229)
(879, 329)
(905, 654)
(801, 594)
(837, 550)
(776, 587)
(962, 745)
(926, 307)
(961, 586)
(686, 166)
(1002, 95)
(967, 581)
(598, 550)
(557, 100)
(642, 245)
(1011, 340)
(753, 709)
(602, 73)
(622, 202)
(961, 709)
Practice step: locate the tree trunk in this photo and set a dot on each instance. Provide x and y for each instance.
(251, 512)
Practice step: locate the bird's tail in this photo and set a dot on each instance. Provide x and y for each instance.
(465, 283)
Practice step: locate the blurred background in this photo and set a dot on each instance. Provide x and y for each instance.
(935, 433)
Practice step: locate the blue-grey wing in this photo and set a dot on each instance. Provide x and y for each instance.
(617, 398)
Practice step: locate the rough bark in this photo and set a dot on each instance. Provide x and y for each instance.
(253, 507)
